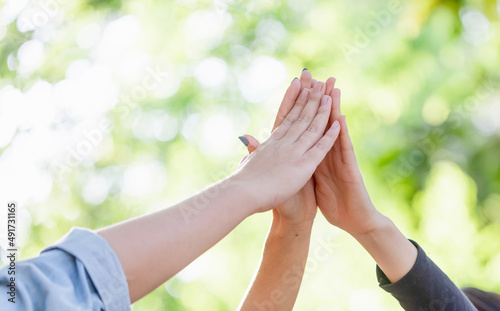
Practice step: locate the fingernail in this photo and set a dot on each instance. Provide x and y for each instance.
(293, 80)
(245, 141)
(304, 69)
(335, 124)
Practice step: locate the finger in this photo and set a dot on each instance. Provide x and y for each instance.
(289, 99)
(292, 116)
(335, 113)
(330, 85)
(317, 127)
(308, 113)
(305, 79)
(321, 148)
(348, 155)
(313, 83)
(253, 143)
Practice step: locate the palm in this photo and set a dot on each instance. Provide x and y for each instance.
(339, 192)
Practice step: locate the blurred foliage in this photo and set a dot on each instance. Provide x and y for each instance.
(420, 90)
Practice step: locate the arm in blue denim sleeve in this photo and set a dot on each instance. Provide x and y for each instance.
(78, 272)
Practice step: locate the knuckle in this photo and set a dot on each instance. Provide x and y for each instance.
(316, 96)
(312, 128)
(300, 103)
(303, 119)
(290, 119)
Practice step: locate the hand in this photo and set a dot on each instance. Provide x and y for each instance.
(283, 164)
(340, 191)
(301, 208)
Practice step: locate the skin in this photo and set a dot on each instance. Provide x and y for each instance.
(338, 188)
(278, 279)
(344, 201)
(277, 282)
(171, 238)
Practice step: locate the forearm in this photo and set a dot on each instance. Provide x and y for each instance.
(278, 279)
(425, 287)
(408, 274)
(393, 252)
(154, 247)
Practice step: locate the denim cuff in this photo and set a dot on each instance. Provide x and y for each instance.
(101, 263)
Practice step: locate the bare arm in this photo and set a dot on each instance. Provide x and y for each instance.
(344, 201)
(391, 250)
(278, 279)
(154, 247)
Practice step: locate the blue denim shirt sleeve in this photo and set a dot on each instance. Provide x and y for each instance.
(79, 272)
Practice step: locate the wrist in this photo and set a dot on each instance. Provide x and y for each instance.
(259, 197)
(282, 227)
(243, 193)
(392, 251)
(380, 225)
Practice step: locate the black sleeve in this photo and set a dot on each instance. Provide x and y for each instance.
(425, 288)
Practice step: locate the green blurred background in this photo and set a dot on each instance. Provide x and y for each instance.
(112, 109)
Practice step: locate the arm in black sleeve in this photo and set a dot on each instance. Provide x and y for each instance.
(425, 288)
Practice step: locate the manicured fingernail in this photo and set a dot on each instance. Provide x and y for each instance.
(293, 80)
(335, 124)
(304, 69)
(244, 140)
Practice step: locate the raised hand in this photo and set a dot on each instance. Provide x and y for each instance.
(340, 192)
(301, 208)
(277, 169)
(283, 164)
(290, 231)
(345, 203)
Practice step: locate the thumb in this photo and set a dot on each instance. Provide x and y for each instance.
(250, 142)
